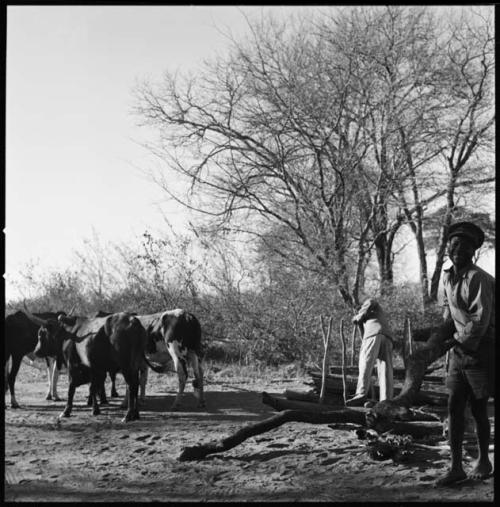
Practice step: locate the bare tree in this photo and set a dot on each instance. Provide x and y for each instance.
(269, 140)
(467, 129)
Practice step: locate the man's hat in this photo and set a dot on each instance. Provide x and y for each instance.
(469, 230)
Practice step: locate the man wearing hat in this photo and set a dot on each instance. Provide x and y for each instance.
(469, 300)
(376, 347)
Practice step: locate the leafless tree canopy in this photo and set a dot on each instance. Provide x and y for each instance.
(322, 137)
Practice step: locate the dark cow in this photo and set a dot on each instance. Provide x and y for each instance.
(93, 346)
(143, 373)
(179, 333)
(20, 340)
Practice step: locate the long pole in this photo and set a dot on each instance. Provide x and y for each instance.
(344, 379)
(326, 342)
(410, 337)
(353, 343)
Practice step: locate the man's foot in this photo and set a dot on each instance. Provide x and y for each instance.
(356, 401)
(452, 477)
(481, 470)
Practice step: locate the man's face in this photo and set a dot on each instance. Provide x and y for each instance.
(460, 251)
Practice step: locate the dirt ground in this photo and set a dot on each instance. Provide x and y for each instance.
(101, 459)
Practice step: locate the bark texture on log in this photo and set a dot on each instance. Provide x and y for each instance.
(438, 342)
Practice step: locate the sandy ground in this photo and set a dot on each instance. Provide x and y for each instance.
(101, 459)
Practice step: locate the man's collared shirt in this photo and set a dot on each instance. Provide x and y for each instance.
(469, 297)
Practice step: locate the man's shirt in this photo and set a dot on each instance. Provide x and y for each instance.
(469, 299)
(374, 320)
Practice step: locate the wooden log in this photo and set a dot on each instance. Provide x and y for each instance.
(423, 397)
(309, 396)
(343, 415)
(280, 402)
(398, 373)
(440, 340)
(201, 450)
(417, 424)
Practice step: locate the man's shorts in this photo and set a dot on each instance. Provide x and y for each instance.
(472, 371)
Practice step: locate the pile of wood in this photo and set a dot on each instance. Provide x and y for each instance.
(433, 391)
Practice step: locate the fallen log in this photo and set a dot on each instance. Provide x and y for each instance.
(284, 403)
(440, 339)
(397, 373)
(202, 450)
(342, 415)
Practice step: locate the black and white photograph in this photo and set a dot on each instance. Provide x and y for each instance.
(249, 253)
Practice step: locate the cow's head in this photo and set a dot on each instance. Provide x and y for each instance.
(50, 336)
(67, 321)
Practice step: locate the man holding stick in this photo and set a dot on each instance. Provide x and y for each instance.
(469, 300)
(376, 347)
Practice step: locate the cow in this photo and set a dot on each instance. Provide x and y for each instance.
(90, 347)
(143, 373)
(178, 332)
(20, 340)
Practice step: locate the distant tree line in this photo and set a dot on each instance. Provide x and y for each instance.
(251, 313)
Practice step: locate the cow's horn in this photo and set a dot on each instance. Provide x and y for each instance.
(71, 311)
(33, 318)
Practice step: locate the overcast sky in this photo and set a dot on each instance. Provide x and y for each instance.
(73, 165)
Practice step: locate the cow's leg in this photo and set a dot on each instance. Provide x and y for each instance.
(132, 379)
(181, 369)
(53, 376)
(114, 392)
(198, 377)
(95, 388)
(16, 363)
(7, 366)
(101, 392)
(69, 402)
(125, 401)
(143, 378)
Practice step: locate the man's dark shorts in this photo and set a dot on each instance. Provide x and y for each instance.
(474, 371)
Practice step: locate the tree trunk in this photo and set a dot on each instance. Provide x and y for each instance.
(441, 250)
(385, 412)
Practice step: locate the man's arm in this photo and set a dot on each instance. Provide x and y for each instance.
(480, 307)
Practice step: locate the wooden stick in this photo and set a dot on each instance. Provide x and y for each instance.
(344, 379)
(404, 351)
(326, 342)
(353, 343)
(410, 338)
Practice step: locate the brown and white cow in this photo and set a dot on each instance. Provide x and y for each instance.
(178, 332)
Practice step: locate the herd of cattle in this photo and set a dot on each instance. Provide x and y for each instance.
(92, 347)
